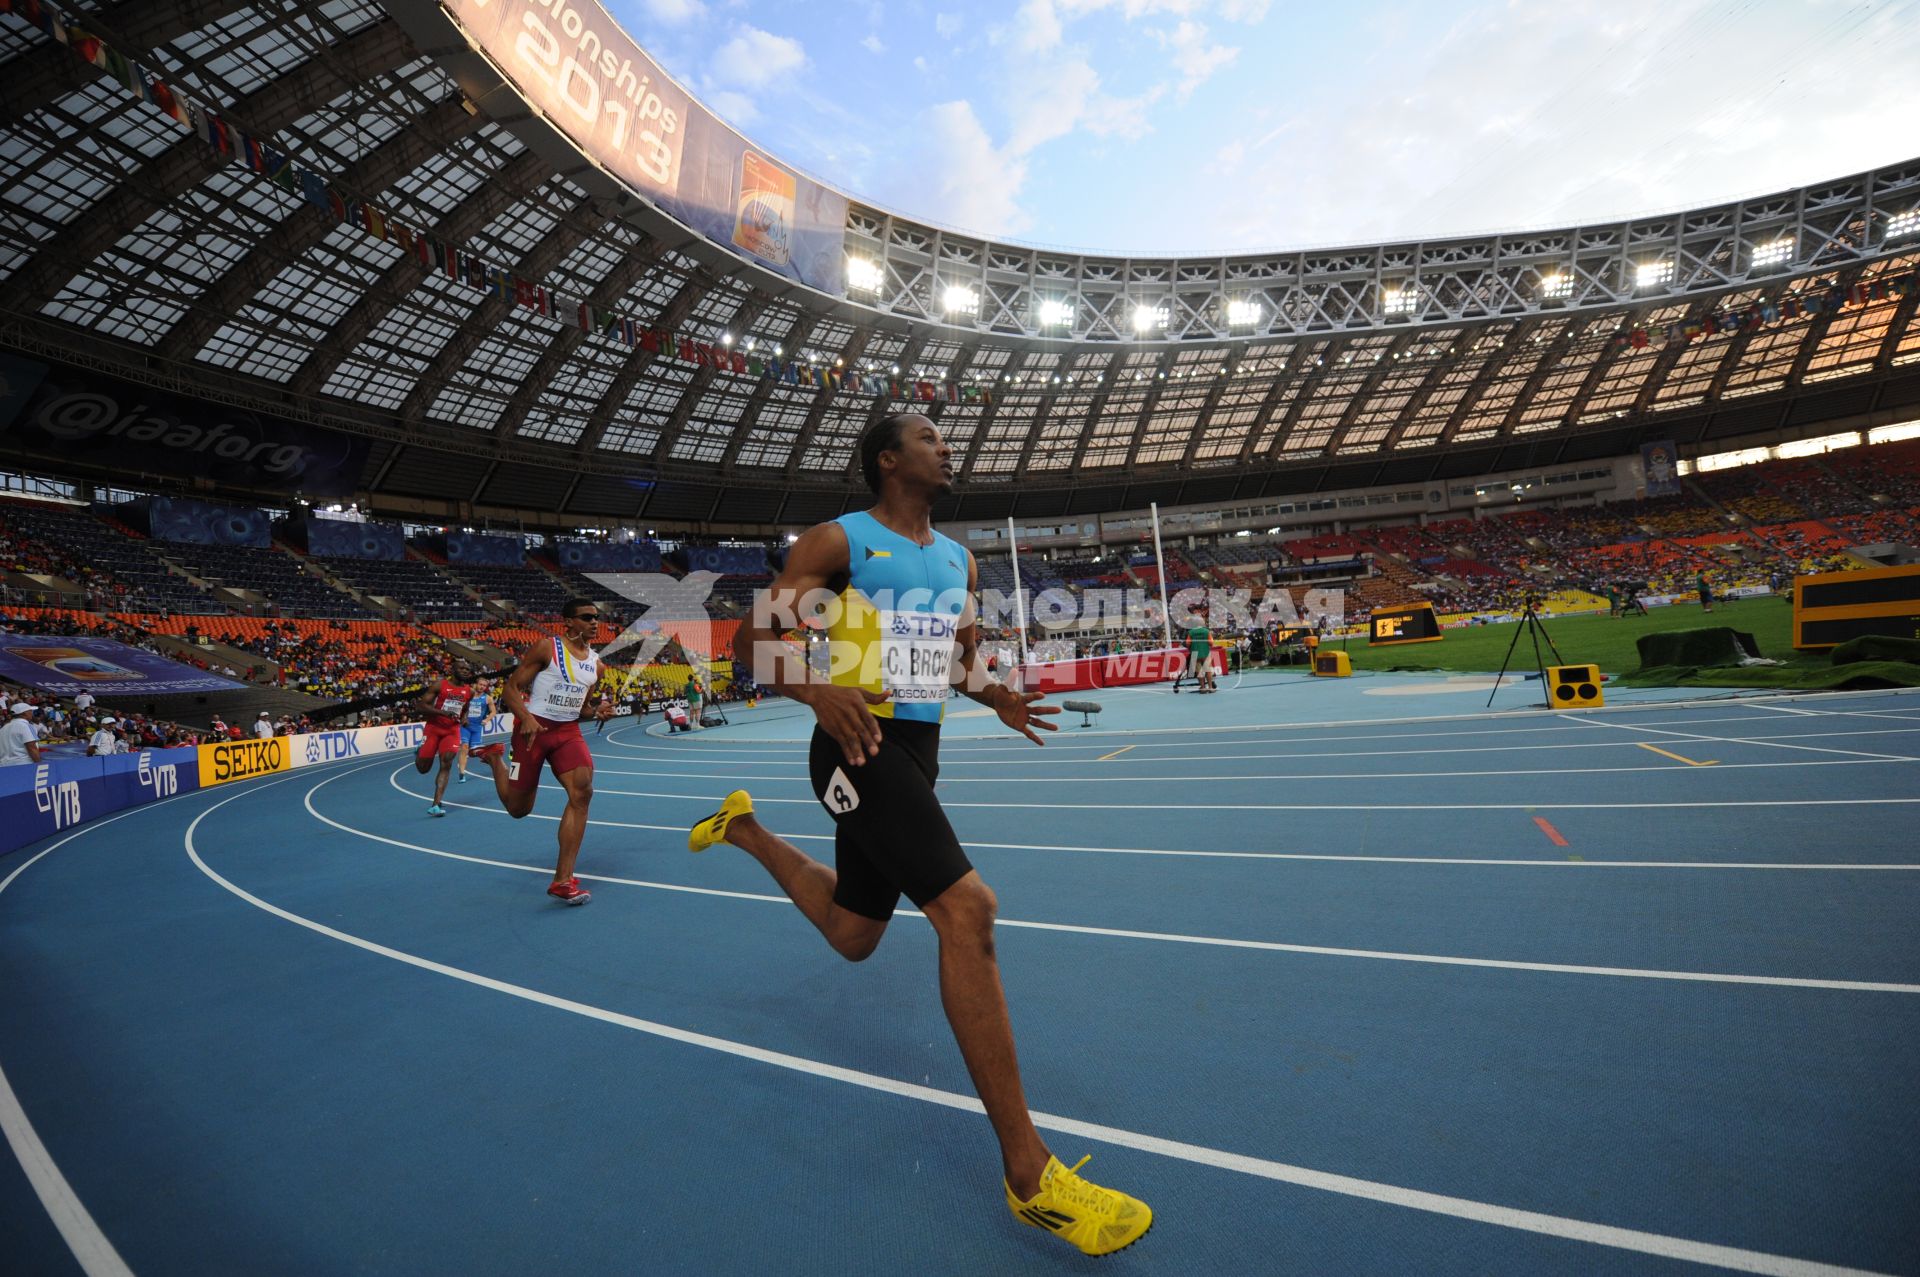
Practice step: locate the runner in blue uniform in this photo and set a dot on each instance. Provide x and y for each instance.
(902, 637)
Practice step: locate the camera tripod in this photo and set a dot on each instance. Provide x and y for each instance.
(1531, 624)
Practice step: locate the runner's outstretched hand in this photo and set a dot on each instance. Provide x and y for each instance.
(1019, 711)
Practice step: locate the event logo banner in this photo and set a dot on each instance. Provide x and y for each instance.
(69, 666)
(591, 81)
(84, 416)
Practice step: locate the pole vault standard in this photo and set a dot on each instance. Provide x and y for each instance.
(1019, 593)
(1159, 561)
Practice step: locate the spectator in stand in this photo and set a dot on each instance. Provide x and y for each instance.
(263, 726)
(83, 702)
(217, 728)
(19, 739)
(105, 741)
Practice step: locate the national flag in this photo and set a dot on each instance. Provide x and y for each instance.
(584, 317)
(84, 43)
(167, 100)
(737, 361)
(313, 189)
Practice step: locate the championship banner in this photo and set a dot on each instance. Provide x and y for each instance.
(84, 416)
(1660, 464)
(69, 666)
(588, 78)
(233, 760)
(1414, 623)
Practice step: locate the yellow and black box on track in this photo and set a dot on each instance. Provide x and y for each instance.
(1332, 665)
(1412, 623)
(1574, 687)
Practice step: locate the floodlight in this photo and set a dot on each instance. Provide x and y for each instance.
(1055, 313)
(1780, 250)
(959, 299)
(1652, 274)
(1557, 285)
(1901, 225)
(1147, 317)
(1243, 313)
(1399, 299)
(864, 275)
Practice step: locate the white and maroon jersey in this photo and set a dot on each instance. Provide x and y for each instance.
(451, 698)
(561, 688)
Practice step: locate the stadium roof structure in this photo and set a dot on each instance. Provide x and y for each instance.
(130, 244)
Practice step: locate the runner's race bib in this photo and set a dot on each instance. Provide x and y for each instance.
(916, 655)
(452, 705)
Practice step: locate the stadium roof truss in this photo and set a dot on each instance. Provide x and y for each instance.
(128, 245)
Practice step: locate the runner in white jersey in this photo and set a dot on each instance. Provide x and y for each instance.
(546, 693)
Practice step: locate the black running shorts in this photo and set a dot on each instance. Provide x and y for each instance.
(890, 836)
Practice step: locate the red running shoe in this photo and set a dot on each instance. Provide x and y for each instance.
(487, 753)
(570, 891)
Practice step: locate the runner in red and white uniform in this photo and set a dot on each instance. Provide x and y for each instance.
(445, 708)
(554, 682)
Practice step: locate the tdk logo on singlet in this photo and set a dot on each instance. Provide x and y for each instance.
(926, 625)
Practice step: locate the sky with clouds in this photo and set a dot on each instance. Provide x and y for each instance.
(1182, 126)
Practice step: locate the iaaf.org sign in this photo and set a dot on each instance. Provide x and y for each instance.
(83, 415)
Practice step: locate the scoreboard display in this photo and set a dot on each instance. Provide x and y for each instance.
(1412, 623)
(1831, 607)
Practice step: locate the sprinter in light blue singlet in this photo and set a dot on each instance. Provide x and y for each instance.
(902, 637)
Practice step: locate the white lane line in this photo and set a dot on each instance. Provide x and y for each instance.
(395, 778)
(1788, 709)
(1636, 1240)
(1272, 946)
(948, 755)
(1777, 742)
(760, 800)
(91, 1249)
(1510, 715)
(1661, 769)
(967, 744)
(1529, 807)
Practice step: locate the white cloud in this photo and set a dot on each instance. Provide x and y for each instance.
(1591, 119)
(673, 13)
(1035, 28)
(872, 44)
(1247, 11)
(974, 185)
(947, 25)
(919, 64)
(1194, 58)
(735, 108)
(756, 58)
